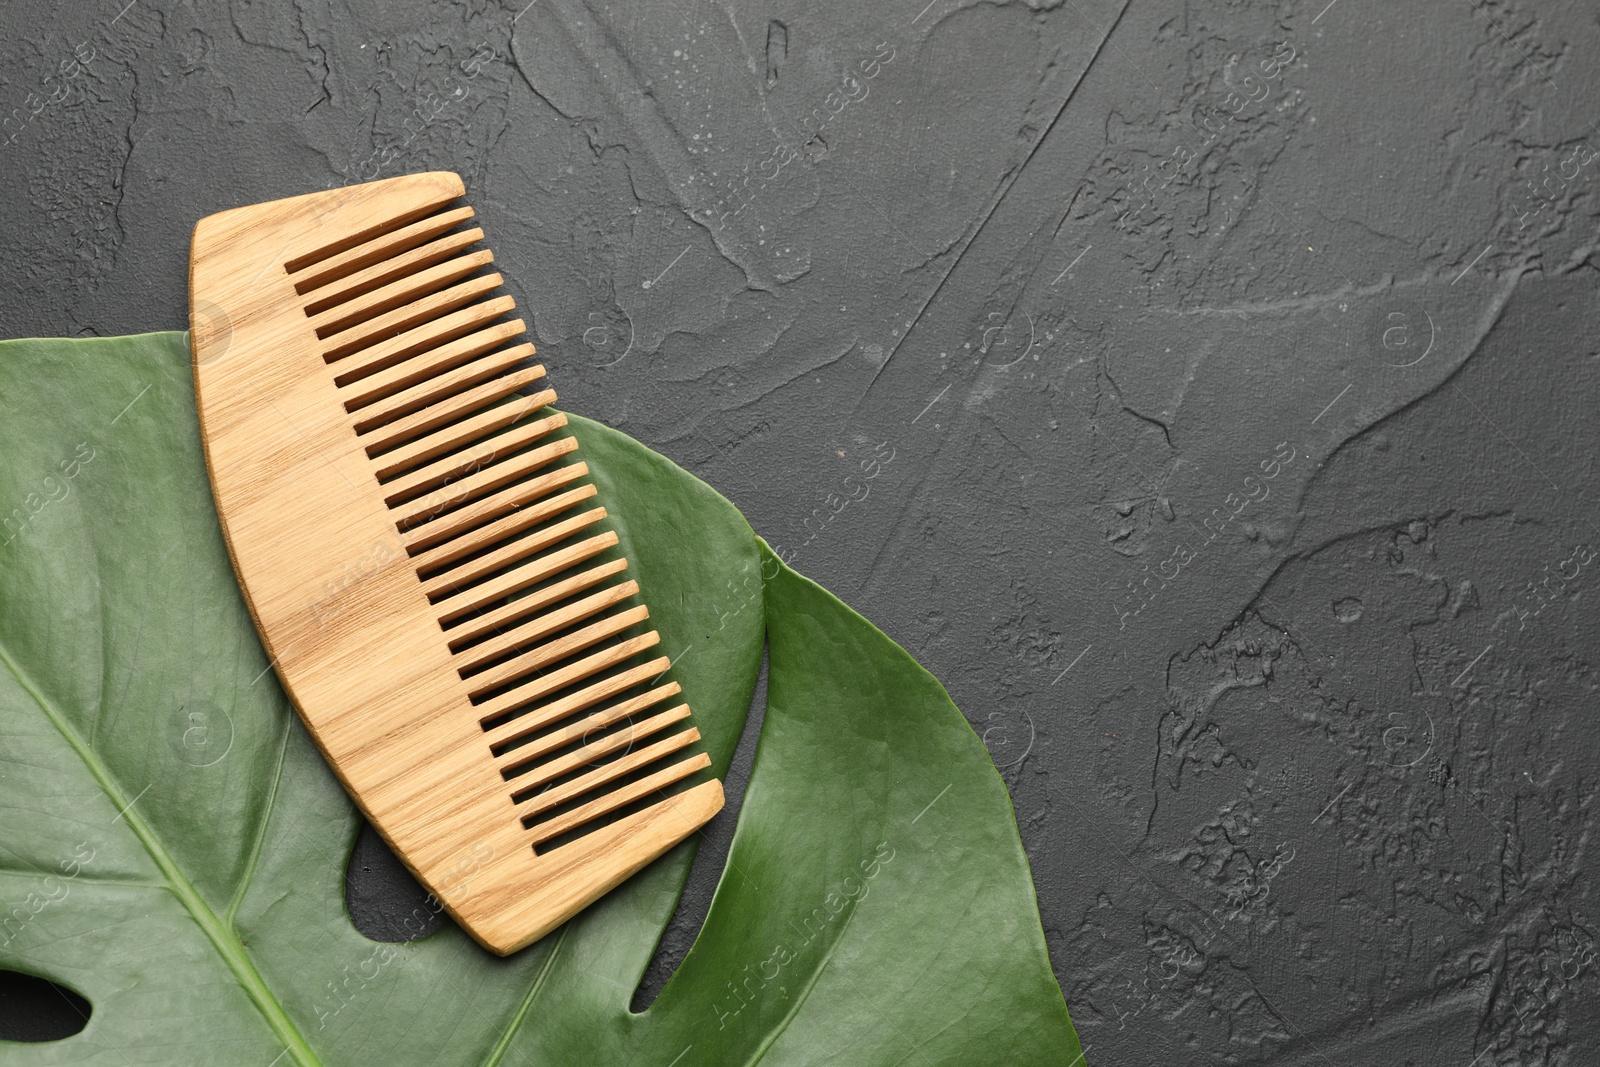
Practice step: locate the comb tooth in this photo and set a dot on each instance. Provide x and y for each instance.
(514, 762)
(455, 436)
(482, 537)
(555, 651)
(582, 700)
(618, 798)
(464, 574)
(561, 794)
(385, 271)
(486, 593)
(476, 457)
(525, 605)
(381, 436)
(427, 336)
(539, 775)
(492, 371)
(375, 250)
(544, 685)
(490, 507)
(416, 383)
(386, 326)
(398, 294)
(541, 626)
(371, 217)
(491, 477)
(359, 392)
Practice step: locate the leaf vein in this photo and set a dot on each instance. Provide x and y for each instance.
(497, 1053)
(248, 874)
(223, 939)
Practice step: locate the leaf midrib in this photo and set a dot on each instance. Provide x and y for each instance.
(222, 937)
(497, 1053)
(805, 994)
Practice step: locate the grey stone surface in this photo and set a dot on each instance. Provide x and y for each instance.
(1204, 393)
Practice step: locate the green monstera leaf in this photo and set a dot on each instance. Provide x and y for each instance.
(173, 847)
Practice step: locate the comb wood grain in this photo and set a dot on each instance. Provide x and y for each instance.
(398, 517)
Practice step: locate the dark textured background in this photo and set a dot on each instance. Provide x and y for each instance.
(1314, 784)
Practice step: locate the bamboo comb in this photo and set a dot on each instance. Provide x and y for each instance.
(419, 550)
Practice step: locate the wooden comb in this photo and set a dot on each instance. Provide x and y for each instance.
(422, 556)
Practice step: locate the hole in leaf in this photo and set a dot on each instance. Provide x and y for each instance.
(37, 1009)
(384, 899)
(715, 839)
